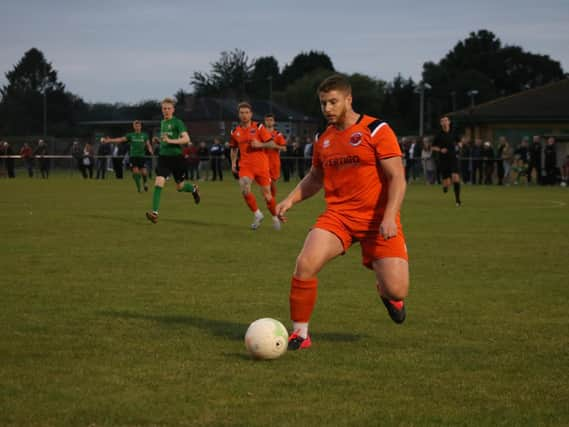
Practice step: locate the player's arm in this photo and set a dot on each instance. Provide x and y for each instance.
(308, 187)
(182, 140)
(395, 175)
(234, 153)
(149, 147)
(269, 144)
(120, 140)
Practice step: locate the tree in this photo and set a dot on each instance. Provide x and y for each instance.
(265, 77)
(368, 94)
(229, 76)
(301, 94)
(303, 64)
(401, 105)
(22, 105)
(481, 63)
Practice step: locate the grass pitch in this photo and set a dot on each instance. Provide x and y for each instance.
(109, 320)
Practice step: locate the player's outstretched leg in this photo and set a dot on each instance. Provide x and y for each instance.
(320, 247)
(186, 187)
(152, 215)
(392, 275)
(272, 207)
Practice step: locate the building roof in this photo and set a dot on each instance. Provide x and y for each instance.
(544, 103)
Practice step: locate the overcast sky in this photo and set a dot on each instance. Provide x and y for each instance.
(128, 51)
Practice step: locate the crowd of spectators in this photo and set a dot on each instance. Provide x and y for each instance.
(480, 162)
(487, 163)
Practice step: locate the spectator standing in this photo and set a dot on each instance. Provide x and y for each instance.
(190, 153)
(307, 153)
(41, 153)
(412, 153)
(27, 155)
(9, 161)
(550, 154)
(203, 166)
(77, 155)
(488, 162)
(103, 152)
(298, 155)
(476, 154)
(535, 160)
(87, 160)
(286, 162)
(506, 157)
(428, 162)
(216, 155)
(464, 154)
(565, 172)
(118, 157)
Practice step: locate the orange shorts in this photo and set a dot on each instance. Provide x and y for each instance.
(372, 244)
(275, 169)
(259, 175)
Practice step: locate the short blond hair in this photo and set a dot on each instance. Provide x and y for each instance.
(168, 100)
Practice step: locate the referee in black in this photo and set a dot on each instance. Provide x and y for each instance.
(444, 143)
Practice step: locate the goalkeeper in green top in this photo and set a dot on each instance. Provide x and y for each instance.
(173, 135)
(138, 141)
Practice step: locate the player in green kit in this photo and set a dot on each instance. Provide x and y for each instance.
(173, 135)
(138, 141)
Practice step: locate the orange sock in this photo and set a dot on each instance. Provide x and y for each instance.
(302, 298)
(272, 206)
(251, 201)
(273, 189)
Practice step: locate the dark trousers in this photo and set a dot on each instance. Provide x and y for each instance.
(10, 168)
(537, 167)
(87, 170)
(500, 171)
(465, 170)
(192, 171)
(300, 168)
(477, 172)
(118, 167)
(216, 168)
(285, 169)
(101, 168)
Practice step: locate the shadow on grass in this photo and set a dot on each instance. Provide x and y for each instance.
(222, 328)
(219, 328)
(141, 220)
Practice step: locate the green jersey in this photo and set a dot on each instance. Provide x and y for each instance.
(137, 143)
(173, 128)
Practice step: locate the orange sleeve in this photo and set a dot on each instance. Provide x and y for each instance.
(280, 139)
(264, 134)
(385, 142)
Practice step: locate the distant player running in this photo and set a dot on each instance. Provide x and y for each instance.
(138, 141)
(250, 139)
(173, 135)
(358, 162)
(274, 153)
(444, 143)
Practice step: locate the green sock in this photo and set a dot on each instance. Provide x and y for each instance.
(156, 198)
(187, 188)
(136, 177)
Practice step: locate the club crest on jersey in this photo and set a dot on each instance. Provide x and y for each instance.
(326, 143)
(356, 139)
(252, 131)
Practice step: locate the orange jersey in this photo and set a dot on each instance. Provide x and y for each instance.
(349, 159)
(279, 139)
(241, 138)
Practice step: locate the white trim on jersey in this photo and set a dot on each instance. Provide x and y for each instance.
(378, 128)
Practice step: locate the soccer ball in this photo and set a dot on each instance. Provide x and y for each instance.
(266, 339)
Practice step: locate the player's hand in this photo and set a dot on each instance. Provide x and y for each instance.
(256, 144)
(388, 229)
(282, 208)
(444, 150)
(165, 139)
(104, 140)
(234, 169)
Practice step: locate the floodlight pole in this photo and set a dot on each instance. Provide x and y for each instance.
(44, 100)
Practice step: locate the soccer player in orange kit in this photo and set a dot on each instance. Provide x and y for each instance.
(250, 139)
(274, 153)
(358, 162)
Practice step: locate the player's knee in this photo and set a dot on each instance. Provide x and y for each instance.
(396, 289)
(306, 266)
